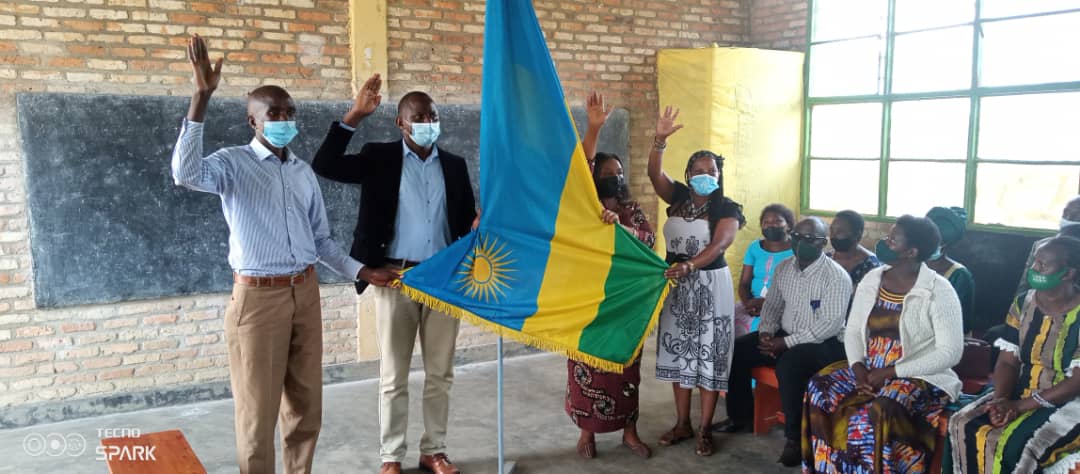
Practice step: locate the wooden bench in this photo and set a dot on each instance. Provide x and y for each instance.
(164, 452)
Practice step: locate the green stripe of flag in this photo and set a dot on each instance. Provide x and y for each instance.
(621, 320)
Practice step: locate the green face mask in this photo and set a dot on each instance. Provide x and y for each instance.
(884, 253)
(1040, 281)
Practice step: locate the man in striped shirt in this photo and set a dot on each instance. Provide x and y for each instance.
(802, 321)
(277, 231)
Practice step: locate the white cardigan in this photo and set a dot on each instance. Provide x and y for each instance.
(931, 328)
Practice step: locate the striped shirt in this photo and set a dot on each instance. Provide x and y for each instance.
(274, 209)
(809, 305)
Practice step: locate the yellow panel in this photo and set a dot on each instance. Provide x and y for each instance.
(367, 40)
(745, 104)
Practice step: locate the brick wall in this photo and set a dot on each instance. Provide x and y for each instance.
(778, 24)
(606, 45)
(137, 47)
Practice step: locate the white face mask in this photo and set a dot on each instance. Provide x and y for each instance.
(1067, 223)
(425, 134)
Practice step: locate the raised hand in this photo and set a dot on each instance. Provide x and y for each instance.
(665, 125)
(598, 112)
(367, 100)
(206, 77)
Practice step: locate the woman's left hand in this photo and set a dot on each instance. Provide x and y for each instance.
(1003, 412)
(876, 379)
(609, 216)
(678, 270)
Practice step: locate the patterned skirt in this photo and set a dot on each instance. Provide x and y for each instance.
(1045, 440)
(696, 337)
(599, 401)
(893, 431)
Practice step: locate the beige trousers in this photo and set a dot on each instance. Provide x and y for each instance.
(274, 336)
(397, 322)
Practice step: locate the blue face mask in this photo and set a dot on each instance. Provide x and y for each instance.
(704, 184)
(936, 255)
(280, 134)
(425, 134)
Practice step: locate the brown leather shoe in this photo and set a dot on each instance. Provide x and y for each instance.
(438, 463)
(390, 468)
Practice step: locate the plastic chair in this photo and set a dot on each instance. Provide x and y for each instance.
(767, 412)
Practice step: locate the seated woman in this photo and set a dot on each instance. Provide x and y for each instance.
(845, 233)
(952, 223)
(760, 260)
(599, 401)
(879, 413)
(1031, 422)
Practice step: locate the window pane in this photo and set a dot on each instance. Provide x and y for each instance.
(1024, 195)
(846, 68)
(843, 184)
(1032, 127)
(846, 131)
(1031, 50)
(841, 19)
(933, 61)
(920, 14)
(1003, 8)
(934, 129)
(915, 187)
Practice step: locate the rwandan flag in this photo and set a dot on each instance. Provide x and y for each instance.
(541, 268)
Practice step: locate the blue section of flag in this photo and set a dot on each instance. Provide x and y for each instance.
(527, 142)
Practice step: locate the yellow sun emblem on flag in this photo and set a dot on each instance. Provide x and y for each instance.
(485, 274)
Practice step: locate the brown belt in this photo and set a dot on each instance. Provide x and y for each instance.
(276, 281)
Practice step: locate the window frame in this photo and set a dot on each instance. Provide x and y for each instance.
(975, 93)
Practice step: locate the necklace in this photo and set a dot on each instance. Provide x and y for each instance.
(692, 212)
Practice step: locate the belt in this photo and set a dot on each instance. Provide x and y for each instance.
(275, 281)
(673, 258)
(401, 263)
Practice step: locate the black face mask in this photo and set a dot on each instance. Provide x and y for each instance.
(611, 187)
(842, 245)
(774, 234)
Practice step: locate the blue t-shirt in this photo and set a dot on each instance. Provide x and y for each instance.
(764, 263)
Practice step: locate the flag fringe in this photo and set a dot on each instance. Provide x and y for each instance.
(527, 339)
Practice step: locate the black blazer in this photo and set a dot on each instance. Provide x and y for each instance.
(377, 168)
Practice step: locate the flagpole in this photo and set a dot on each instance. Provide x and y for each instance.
(504, 467)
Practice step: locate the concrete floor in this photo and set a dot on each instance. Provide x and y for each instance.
(539, 435)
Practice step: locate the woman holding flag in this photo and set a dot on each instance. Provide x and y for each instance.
(696, 334)
(599, 401)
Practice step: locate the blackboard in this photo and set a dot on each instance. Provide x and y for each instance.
(996, 260)
(107, 223)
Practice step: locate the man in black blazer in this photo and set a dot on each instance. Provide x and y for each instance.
(415, 200)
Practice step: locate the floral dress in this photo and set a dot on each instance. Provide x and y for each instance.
(696, 335)
(892, 431)
(600, 401)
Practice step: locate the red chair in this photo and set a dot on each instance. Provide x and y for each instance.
(767, 408)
